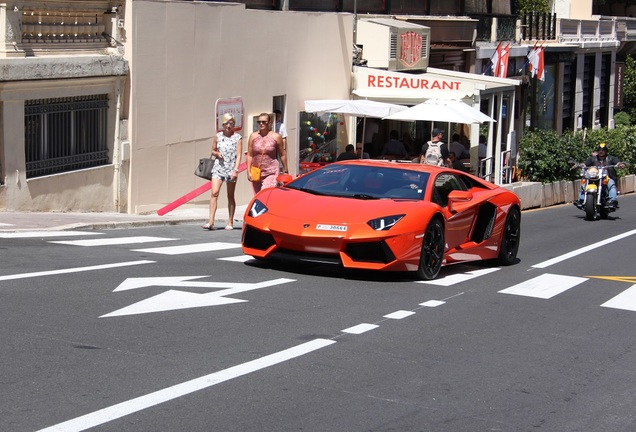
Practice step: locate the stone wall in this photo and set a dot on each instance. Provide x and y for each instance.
(536, 195)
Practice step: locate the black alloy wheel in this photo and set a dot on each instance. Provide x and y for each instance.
(510, 238)
(432, 253)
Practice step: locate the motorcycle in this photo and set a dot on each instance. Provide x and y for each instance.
(596, 203)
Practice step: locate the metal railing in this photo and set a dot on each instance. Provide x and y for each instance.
(495, 27)
(538, 26)
(65, 134)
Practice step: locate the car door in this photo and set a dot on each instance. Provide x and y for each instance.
(458, 222)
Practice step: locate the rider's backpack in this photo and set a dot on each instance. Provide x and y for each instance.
(433, 155)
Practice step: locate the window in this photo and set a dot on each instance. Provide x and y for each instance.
(65, 134)
(444, 184)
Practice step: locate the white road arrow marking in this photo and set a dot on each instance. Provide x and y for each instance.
(174, 299)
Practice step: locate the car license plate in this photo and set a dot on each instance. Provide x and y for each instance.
(326, 227)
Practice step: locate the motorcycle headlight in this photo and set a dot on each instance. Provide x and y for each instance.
(384, 223)
(257, 209)
(592, 172)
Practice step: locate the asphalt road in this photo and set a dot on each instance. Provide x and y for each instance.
(90, 342)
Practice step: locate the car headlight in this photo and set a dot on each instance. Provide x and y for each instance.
(257, 209)
(384, 223)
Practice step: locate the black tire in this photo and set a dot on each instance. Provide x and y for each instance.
(510, 238)
(590, 208)
(432, 254)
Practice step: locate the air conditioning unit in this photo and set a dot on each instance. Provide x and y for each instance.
(393, 44)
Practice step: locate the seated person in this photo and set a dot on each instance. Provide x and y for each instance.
(455, 163)
(394, 146)
(348, 154)
(458, 148)
(360, 153)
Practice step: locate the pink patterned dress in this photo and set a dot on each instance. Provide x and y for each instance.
(268, 162)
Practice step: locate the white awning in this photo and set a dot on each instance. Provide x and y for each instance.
(402, 87)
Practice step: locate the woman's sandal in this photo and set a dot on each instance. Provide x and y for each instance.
(208, 227)
(229, 227)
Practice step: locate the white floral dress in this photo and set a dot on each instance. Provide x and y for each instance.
(224, 168)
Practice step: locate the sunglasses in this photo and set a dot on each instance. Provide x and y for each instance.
(262, 121)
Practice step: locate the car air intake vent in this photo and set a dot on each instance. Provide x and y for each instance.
(485, 223)
(370, 252)
(255, 239)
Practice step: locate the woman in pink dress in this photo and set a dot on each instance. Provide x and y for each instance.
(263, 147)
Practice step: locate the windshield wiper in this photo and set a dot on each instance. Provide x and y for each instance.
(364, 196)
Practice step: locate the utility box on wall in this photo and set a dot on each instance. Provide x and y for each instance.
(393, 44)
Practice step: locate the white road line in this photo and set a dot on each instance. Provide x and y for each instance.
(240, 258)
(459, 277)
(582, 250)
(399, 314)
(152, 399)
(360, 328)
(73, 270)
(194, 248)
(625, 300)
(545, 286)
(112, 241)
(432, 303)
(6, 224)
(43, 234)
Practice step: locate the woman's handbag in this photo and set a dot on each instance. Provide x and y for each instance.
(255, 171)
(204, 169)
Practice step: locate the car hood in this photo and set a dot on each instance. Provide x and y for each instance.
(294, 204)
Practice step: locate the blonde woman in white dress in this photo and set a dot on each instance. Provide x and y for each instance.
(227, 147)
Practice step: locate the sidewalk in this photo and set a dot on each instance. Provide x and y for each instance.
(36, 221)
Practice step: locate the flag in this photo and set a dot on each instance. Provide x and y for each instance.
(494, 60)
(536, 63)
(501, 65)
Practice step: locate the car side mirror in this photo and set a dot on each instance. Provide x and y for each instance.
(456, 198)
(283, 179)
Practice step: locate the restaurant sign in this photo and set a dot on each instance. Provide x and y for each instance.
(377, 83)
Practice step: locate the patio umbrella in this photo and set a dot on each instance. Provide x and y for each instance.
(440, 110)
(355, 107)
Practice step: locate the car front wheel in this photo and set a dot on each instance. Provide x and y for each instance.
(432, 253)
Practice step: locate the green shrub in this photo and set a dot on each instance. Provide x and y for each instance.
(545, 157)
(621, 118)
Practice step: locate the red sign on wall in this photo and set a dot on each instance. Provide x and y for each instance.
(230, 105)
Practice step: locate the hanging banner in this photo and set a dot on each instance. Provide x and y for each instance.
(619, 89)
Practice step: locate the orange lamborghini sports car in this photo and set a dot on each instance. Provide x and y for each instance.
(382, 215)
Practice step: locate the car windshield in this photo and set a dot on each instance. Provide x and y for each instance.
(363, 182)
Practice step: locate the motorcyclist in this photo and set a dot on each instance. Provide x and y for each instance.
(603, 158)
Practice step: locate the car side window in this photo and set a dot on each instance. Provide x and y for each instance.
(445, 183)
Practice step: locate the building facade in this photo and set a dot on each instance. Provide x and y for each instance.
(108, 106)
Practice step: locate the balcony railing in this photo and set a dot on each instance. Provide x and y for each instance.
(38, 27)
(588, 33)
(55, 27)
(492, 28)
(538, 27)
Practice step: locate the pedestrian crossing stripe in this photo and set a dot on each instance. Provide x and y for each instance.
(625, 300)
(544, 286)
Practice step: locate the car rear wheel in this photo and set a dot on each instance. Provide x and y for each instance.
(432, 253)
(510, 238)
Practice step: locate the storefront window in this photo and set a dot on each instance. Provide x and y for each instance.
(320, 137)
